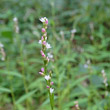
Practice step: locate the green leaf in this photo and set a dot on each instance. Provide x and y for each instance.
(11, 73)
(2, 89)
(25, 96)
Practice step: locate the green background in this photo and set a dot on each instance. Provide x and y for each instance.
(21, 86)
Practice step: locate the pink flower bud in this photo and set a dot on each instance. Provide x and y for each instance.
(42, 53)
(40, 73)
(47, 59)
(42, 69)
(43, 30)
(48, 87)
(76, 105)
(44, 43)
(42, 38)
(46, 22)
(51, 83)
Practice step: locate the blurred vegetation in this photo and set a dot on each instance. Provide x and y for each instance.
(21, 87)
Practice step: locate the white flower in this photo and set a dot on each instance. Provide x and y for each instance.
(50, 55)
(48, 45)
(61, 32)
(51, 90)
(15, 19)
(40, 41)
(103, 72)
(73, 31)
(43, 19)
(2, 58)
(85, 66)
(47, 77)
(1, 45)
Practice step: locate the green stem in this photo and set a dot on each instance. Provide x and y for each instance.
(50, 97)
(20, 46)
(24, 78)
(11, 87)
(13, 97)
(48, 83)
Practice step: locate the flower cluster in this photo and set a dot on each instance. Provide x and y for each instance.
(77, 105)
(46, 56)
(105, 78)
(105, 81)
(16, 24)
(87, 64)
(2, 52)
(73, 31)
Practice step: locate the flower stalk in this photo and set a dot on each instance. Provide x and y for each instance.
(2, 52)
(105, 81)
(77, 105)
(46, 59)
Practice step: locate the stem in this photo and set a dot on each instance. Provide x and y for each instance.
(46, 61)
(11, 87)
(24, 78)
(20, 46)
(13, 97)
(48, 83)
(50, 97)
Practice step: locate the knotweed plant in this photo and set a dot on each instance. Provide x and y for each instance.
(2, 52)
(105, 81)
(77, 105)
(19, 45)
(73, 31)
(46, 58)
(16, 27)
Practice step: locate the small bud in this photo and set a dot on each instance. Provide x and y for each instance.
(44, 43)
(42, 38)
(47, 59)
(76, 105)
(42, 53)
(15, 19)
(51, 83)
(43, 30)
(48, 87)
(41, 73)
(42, 69)
(46, 21)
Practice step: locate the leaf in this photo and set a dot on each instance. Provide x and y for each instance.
(84, 90)
(24, 97)
(7, 34)
(2, 89)
(79, 80)
(11, 73)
